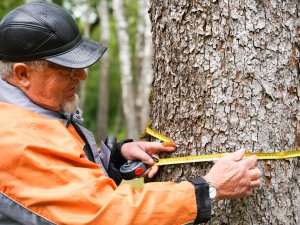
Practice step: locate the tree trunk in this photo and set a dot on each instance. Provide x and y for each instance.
(226, 76)
(144, 71)
(102, 106)
(128, 97)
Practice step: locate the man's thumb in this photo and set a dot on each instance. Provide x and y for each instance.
(238, 155)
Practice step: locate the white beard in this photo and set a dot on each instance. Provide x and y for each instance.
(71, 106)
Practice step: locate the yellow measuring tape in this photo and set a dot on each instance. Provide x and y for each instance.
(215, 156)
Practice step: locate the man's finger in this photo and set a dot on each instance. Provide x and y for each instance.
(154, 147)
(250, 161)
(236, 156)
(136, 154)
(145, 173)
(254, 183)
(254, 174)
(168, 144)
(152, 172)
(248, 193)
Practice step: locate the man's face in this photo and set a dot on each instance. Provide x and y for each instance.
(54, 87)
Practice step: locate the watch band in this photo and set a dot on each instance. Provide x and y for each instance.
(202, 199)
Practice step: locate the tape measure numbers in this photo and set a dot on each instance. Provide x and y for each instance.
(215, 156)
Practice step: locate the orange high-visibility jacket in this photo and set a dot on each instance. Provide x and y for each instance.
(45, 178)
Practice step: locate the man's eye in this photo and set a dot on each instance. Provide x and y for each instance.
(65, 73)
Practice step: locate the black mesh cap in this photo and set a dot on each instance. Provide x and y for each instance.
(41, 30)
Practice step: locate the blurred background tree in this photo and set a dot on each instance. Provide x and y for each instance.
(104, 107)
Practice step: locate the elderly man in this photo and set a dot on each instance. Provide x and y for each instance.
(51, 171)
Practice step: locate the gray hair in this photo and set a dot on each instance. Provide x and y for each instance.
(6, 67)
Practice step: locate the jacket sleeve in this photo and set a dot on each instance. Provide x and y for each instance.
(116, 159)
(43, 169)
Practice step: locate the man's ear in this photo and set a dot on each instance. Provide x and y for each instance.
(21, 75)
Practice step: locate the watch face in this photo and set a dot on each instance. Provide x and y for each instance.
(212, 192)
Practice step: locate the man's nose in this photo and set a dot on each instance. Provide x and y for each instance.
(79, 74)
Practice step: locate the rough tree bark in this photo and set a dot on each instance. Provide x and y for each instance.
(128, 97)
(226, 75)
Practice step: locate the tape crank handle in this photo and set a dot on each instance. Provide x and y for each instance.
(133, 169)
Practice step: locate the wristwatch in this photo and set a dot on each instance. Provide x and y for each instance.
(212, 190)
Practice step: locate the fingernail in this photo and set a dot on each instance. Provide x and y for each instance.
(168, 144)
(155, 159)
(150, 161)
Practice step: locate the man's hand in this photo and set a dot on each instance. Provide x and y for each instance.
(234, 176)
(144, 151)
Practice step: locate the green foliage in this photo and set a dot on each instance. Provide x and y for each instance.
(137, 183)
(7, 5)
(58, 2)
(90, 108)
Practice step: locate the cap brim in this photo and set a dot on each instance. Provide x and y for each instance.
(83, 55)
